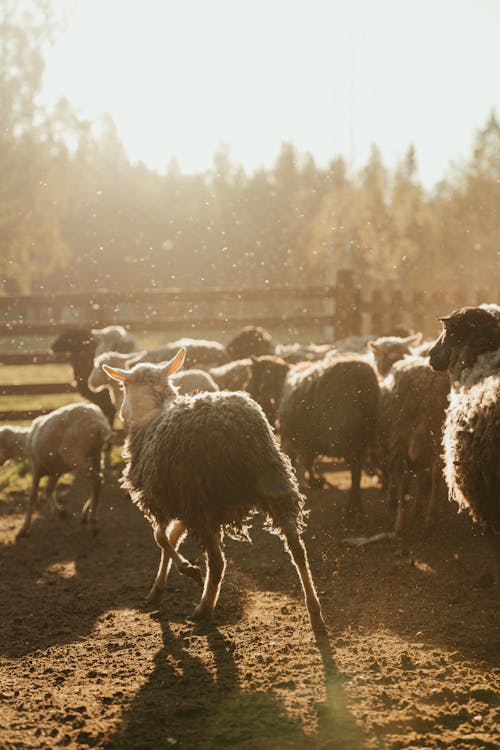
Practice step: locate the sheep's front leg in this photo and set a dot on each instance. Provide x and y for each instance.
(216, 565)
(25, 528)
(168, 539)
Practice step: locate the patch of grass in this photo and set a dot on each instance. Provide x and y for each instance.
(19, 374)
(49, 401)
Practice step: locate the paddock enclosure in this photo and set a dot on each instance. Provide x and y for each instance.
(411, 655)
(411, 659)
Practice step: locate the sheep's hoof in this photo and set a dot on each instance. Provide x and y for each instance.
(154, 597)
(316, 483)
(23, 532)
(194, 572)
(200, 614)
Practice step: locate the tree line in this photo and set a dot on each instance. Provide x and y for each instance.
(76, 214)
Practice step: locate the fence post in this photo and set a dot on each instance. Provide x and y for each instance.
(347, 319)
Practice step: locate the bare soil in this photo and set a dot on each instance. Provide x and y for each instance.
(411, 659)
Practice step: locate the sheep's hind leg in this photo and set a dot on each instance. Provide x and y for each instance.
(216, 565)
(297, 550)
(354, 505)
(167, 538)
(89, 510)
(25, 528)
(54, 502)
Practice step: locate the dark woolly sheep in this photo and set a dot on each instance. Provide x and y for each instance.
(202, 464)
(469, 349)
(81, 345)
(412, 414)
(325, 408)
(68, 438)
(250, 341)
(267, 379)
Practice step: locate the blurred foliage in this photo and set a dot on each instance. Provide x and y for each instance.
(76, 214)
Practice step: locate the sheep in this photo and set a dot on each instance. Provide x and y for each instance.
(324, 408)
(387, 350)
(81, 344)
(113, 338)
(68, 438)
(188, 381)
(294, 353)
(201, 464)
(469, 349)
(251, 340)
(413, 402)
(233, 376)
(199, 352)
(267, 379)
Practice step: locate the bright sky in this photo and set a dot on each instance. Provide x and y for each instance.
(183, 77)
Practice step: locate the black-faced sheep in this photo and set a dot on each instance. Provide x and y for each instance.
(469, 349)
(69, 438)
(81, 345)
(202, 464)
(250, 341)
(326, 408)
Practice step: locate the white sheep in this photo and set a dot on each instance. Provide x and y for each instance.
(188, 381)
(203, 464)
(112, 338)
(69, 438)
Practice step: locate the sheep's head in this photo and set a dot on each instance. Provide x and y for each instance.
(265, 386)
(74, 340)
(146, 386)
(250, 341)
(466, 334)
(388, 350)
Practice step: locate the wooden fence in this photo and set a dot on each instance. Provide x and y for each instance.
(338, 310)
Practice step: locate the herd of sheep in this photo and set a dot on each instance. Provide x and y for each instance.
(202, 451)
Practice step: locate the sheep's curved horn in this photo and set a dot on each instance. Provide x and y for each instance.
(115, 373)
(173, 365)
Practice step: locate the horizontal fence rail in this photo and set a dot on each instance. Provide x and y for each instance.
(338, 310)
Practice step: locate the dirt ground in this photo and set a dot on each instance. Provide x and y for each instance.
(411, 662)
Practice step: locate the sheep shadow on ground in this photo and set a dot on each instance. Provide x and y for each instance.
(191, 704)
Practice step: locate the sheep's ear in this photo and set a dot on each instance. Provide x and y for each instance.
(416, 338)
(373, 346)
(115, 373)
(176, 362)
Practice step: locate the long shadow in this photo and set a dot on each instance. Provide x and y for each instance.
(55, 584)
(439, 582)
(193, 706)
